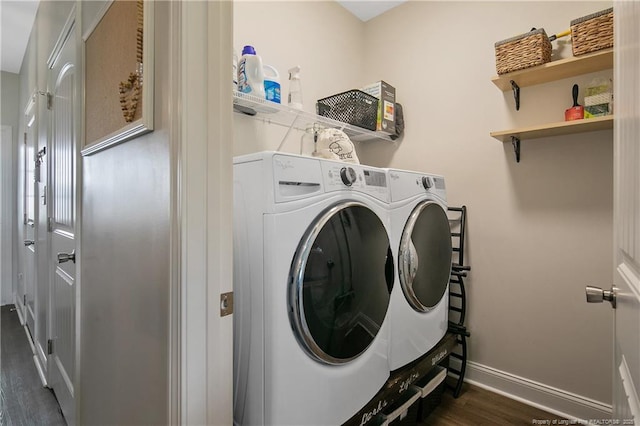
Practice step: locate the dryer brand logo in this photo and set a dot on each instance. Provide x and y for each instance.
(366, 417)
(438, 357)
(405, 385)
(394, 176)
(284, 165)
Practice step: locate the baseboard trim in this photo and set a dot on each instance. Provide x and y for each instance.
(40, 372)
(18, 310)
(556, 401)
(29, 338)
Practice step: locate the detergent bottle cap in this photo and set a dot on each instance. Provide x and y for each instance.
(248, 50)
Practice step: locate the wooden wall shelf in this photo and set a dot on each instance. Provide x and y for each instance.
(552, 71)
(556, 129)
(557, 70)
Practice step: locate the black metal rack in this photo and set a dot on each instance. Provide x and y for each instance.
(458, 300)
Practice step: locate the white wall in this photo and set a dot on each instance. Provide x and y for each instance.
(10, 84)
(538, 231)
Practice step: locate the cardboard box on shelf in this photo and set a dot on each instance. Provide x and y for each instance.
(386, 95)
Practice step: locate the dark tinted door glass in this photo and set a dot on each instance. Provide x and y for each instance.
(431, 238)
(343, 296)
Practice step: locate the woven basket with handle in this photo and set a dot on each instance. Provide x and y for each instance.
(523, 51)
(592, 32)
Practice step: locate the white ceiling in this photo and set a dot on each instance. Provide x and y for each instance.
(16, 20)
(17, 17)
(368, 9)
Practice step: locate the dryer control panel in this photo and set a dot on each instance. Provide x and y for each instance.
(405, 184)
(341, 176)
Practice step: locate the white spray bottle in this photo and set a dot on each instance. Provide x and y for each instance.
(295, 89)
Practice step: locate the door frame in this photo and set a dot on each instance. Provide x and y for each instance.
(204, 182)
(22, 207)
(31, 118)
(76, 16)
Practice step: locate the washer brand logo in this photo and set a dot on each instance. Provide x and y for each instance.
(366, 417)
(394, 176)
(438, 357)
(284, 165)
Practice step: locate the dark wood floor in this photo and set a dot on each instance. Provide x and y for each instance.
(23, 399)
(476, 406)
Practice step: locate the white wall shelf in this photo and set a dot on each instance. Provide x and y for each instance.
(283, 115)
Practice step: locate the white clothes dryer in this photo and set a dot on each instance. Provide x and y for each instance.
(421, 243)
(313, 274)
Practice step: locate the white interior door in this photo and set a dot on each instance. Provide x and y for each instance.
(626, 405)
(26, 288)
(62, 221)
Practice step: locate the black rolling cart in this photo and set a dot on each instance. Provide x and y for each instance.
(457, 362)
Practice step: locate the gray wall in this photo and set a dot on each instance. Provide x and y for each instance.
(125, 242)
(538, 230)
(9, 116)
(10, 84)
(125, 266)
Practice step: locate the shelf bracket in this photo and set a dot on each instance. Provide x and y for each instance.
(516, 94)
(516, 147)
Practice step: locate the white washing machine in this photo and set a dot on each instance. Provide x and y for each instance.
(313, 275)
(421, 243)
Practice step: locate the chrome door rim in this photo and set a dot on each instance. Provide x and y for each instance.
(404, 258)
(296, 281)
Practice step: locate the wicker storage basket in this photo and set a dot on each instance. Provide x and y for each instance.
(592, 32)
(523, 51)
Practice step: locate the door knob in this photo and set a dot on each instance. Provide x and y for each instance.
(28, 243)
(65, 257)
(597, 295)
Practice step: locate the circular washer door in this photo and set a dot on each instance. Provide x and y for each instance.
(424, 258)
(340, 283)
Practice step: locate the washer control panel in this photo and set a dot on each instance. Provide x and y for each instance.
(340, 176)
(296, 177)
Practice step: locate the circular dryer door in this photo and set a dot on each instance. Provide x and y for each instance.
(424, 258)
(340, 283)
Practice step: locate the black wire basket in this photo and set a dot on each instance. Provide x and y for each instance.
(352, 107)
